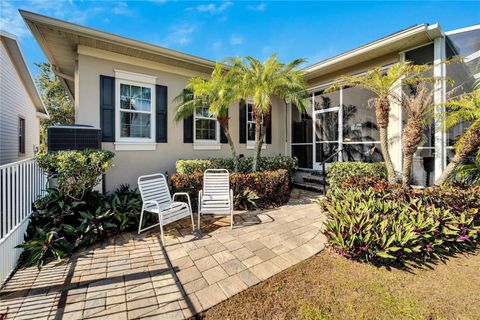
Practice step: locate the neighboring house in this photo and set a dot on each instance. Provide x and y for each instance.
(21, 106)
(126, 88)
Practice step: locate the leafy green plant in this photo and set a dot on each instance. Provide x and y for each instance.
(43, 245)
(78, 172)
(339, 171)
(382, 223)
(468, 173)
(59, 225)
(245, 199)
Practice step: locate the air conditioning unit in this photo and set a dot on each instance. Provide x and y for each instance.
(74, 137)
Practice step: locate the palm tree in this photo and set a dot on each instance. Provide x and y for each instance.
(465, 108)
(217, 93)
(263, 81)
(417, 107)
(385, 85)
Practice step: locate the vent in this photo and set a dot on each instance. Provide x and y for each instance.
(74, 137)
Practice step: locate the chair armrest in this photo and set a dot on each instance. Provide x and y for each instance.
(183, 194)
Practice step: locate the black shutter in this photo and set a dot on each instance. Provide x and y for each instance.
(223, 137)
(107, 108)
(161, 113)
(187, 126)
(268, 138)
(243, 121)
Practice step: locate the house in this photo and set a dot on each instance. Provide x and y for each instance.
(20, 104)
(106, 73)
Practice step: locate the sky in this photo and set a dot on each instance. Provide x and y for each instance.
(314, 30)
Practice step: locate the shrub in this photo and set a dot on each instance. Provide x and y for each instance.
(271, 188)
(339, 171)
(244, 165)
(78, 172)
(59, 224)
(374, 221)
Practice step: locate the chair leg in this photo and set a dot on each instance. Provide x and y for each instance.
(198, 224)
(141, 219)
(193, 223)
(231, 219)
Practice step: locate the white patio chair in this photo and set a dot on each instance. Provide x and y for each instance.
(216, 196)
(156, 198)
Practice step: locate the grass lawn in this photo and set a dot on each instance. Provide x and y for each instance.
(329, 286)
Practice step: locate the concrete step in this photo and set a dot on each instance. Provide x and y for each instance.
(314, 179)
(314, 187)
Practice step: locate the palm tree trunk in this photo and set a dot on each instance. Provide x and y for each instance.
(407, 170)
(382, 113)
(386, 155)
(224, 124)
(469, 143)
(258, 138)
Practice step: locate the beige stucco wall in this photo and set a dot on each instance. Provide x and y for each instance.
(395, 126)
(15, 102)
(129, 165)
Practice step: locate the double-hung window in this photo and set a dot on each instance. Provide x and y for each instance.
(206, 126)
(135, 108)
(251, 125)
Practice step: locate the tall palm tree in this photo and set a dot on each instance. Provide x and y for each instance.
(385, 84)
(217, 93)
(465, 108)
(417, 107)
(263, 81)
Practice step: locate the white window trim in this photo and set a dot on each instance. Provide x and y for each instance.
(136, 79)
(250, 145)
(202, 144)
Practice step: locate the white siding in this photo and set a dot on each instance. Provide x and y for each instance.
(14, 102)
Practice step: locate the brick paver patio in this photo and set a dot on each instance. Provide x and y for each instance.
(131, 276)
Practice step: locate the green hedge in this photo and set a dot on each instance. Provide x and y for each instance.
(244, 165)
(340, 171)
(251, 190)
(382, 223)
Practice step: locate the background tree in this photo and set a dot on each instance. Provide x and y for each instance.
(466, 108)
(417, 107)
(56, 99)
(385, 84)
(217, 93)
(263, 81)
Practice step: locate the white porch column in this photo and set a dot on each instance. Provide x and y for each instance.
(439, 96)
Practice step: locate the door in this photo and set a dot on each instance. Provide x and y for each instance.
(326, 136)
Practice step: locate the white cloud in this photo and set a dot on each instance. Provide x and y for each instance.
(122, 8)
(213, 8)
(181, 34)
(258, 7)
(217, 44)
(11, 21)
(236, 40)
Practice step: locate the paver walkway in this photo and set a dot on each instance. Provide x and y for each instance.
(132, 277)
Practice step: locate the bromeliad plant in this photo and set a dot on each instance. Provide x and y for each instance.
(379, 223)
(60, 225)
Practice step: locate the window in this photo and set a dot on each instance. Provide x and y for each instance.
(135, 111)
(206, 126)
(251, 125)
(135, 103)
(21, 135)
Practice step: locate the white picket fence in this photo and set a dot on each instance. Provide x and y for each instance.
(21, 183)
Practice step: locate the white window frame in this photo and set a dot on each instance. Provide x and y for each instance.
(204, 144)
(251, 143)
(141, 80)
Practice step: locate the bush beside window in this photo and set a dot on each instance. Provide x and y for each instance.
(77, 172)
(339, 171)
(244, 165)
(251, 190)
(381, 223)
